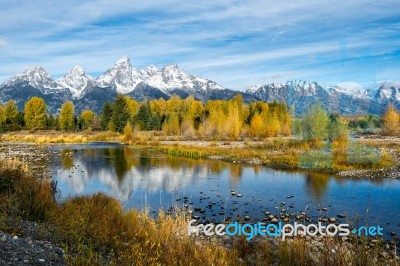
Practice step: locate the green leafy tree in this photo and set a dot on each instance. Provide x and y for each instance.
(66, 118)
(315, 123)
(337, 127)
(35, 113)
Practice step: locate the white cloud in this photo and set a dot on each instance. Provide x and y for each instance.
(3, 42)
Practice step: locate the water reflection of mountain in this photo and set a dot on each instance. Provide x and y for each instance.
(124, 170)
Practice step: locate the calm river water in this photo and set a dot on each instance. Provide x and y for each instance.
(149, 179)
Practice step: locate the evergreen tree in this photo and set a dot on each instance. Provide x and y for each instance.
(66, 118)
(35, 113)
(120, 113)
(106, 116)
(52, 122)
(143, 117)
(154, 123)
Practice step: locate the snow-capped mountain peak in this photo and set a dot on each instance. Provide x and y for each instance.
(36, 74)
(389, 91)
(171, 67)
(171, 77)
(77, 70)
(123, 60)
(121, 76)
(350, 87)
(148, 71)
(254, 88)
(76, 81)
(37, 77)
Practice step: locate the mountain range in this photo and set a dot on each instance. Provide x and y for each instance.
(91, 93)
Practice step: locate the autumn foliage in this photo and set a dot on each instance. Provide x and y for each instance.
(189, 118)
(217, 119)
(391, 121)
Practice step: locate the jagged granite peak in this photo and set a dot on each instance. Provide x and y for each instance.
(388, 93)
(389, 90)
(35, 81)
(148, 72)
(171, 77)
(36, 77)
(122, 77)
(171, 67)
(77, 70)
(301, 94)
(77, 81)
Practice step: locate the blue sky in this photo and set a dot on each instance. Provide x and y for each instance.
(235, 43)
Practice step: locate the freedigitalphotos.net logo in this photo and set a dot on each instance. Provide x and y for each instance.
(280, 230)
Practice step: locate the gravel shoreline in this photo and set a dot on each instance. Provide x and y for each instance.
(26, 249)
(392, 173)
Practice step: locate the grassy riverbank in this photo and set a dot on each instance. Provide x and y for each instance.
(96, 230)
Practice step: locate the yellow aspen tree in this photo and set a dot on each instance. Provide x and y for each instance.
(187, 128)
(233, 123)
(390, 121)
(133, 106)
(35, 113)
(256, 126)
(87, 116)
(66, 118)
(128, 132)
(273, 126)
(171, 126)
(286, 125)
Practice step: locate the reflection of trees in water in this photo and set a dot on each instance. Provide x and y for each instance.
(317, 183)
(92, 153)
(174, 163)
(120, 163)
(67, 158)
(216, 166)
(256, 169)
(118, 158)
(107, 156)
(125, 169)
(235, 173)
